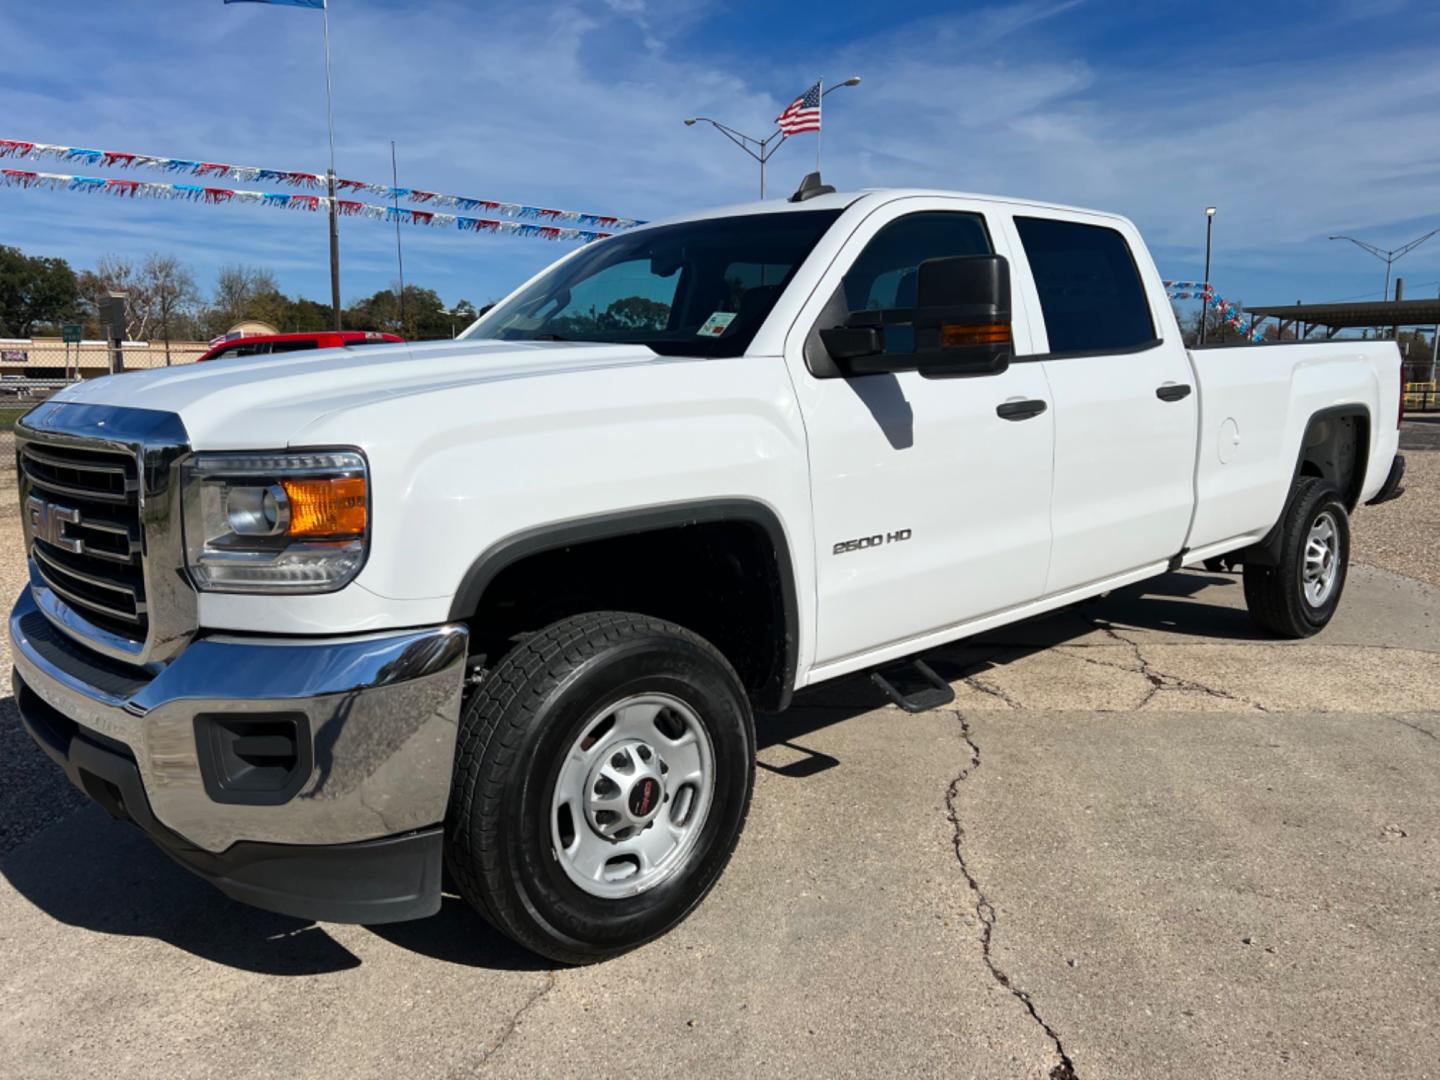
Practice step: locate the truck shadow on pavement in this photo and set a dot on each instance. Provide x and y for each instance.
(1166, 604)
(89, 872)
(71, 861)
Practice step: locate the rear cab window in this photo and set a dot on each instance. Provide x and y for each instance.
(1091, 294)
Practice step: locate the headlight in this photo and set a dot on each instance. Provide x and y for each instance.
(283, 522)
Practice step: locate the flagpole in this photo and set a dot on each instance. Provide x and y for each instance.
(820, 84)
(330, 177)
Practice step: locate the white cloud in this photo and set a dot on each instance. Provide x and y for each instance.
(579, 105)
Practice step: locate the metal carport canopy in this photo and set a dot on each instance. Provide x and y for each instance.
(1343, 316)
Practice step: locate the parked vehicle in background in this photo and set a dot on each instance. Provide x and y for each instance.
(319, 623)
(15, 386)
(267, 344)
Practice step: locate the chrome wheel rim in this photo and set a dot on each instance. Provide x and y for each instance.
(632, 795)
(1321, 568)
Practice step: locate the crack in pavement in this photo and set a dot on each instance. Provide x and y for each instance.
(510, 1028)
(1158, 680)
(1232, 643)
(1414, 727)
(985, 909)
(974, 682)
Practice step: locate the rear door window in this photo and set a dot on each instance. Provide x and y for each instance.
(1090, 289)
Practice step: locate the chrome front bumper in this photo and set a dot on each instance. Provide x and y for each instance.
(381, 714)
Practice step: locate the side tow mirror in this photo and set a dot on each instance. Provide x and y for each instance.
(962, 318)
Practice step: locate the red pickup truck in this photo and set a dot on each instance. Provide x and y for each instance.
(263, 344)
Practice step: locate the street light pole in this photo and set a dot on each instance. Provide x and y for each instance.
(762, 150)
(1205, 291)
(1388, 256)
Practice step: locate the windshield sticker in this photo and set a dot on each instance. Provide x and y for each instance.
(716, 324)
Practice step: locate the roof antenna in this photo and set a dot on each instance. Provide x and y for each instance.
(810, 187)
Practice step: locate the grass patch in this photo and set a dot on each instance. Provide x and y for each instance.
(9, 416)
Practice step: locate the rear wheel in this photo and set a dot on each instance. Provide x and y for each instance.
(1297, 597)
(602, 779)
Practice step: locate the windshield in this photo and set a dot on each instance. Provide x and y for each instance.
(699, 288)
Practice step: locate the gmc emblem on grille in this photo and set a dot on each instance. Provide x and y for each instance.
(46, 521)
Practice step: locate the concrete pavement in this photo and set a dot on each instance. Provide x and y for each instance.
(1142, 843)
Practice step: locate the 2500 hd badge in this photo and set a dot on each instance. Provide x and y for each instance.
(844, 547)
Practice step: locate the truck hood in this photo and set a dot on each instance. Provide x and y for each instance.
(264, 401)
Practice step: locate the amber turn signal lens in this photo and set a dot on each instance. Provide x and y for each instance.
(335, 507)
(955, 337)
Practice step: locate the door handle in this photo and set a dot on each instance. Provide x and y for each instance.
(1173, 391)
(1020, 410)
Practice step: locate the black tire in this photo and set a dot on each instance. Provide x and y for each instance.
(1276, 594)
(516, 729)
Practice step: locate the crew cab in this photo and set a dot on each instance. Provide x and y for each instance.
(324, 623)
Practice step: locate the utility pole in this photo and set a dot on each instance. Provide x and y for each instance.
(1434, 351)
(330, 179)
(399, 255)
(330, 186)
(1399, 295)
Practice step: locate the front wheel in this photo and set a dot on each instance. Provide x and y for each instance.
(602, 779)
(1297, 597)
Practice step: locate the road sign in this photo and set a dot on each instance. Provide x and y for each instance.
(71, 332)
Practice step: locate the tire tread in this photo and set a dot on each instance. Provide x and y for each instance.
(1273, 601)
(493, 724)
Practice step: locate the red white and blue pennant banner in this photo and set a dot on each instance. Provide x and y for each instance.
(284, 200)
(214, 170)
(1229, 313)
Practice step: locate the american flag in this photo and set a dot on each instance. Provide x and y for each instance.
(802, 114)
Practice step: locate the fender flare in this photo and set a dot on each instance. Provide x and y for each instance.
(1266, 552)
(776, 694)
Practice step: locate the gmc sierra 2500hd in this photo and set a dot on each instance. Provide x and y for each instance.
(322, 624)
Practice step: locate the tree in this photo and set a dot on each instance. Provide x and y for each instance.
(172, 293)
(114, 273)
(306, 314)
(626, 315)
(33, 291)
(635, 313)
(425, 317)
(241, 292)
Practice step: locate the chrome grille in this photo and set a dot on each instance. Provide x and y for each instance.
(90, 552)
(101, 504)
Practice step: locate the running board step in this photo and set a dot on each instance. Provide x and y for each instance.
(913, 686)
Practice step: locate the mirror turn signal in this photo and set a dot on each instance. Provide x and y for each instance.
(958, 337)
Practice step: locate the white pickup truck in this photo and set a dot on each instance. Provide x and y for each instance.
(324, 624)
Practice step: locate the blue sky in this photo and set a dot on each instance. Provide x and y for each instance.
(1297, 120)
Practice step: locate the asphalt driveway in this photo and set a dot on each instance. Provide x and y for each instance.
(1142, 843)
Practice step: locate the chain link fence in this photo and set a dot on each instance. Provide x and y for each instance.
(42, 360)
(1421, 397)
(33, 369)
